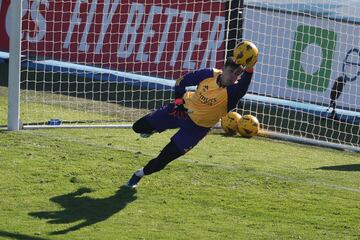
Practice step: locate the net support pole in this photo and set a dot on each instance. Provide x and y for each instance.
(14, 65)
(233, 20)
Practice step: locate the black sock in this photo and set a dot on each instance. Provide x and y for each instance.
(168, 154)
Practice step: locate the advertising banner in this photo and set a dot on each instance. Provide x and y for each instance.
(165, 38)
(301, 57)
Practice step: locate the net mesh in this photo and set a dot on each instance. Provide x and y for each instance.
(112, 61)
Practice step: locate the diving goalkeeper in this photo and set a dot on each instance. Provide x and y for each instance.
(194, 113)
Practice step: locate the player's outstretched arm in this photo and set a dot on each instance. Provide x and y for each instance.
(191, 79)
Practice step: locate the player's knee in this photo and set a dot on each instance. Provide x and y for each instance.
(142, 126)
(172, 151)
(138, 126)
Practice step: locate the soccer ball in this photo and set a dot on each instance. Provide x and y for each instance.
(248, 126)
(230, 122)
(245, 54)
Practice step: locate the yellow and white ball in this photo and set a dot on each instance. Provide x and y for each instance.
(246, 54)
(229, 122)
(248, 126)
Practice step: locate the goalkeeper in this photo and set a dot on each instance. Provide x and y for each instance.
(194, 113)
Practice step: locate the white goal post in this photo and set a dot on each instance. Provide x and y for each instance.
(105, 63)
(14, 66)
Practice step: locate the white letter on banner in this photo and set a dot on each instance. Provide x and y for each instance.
(83, 43)
(148, 32)
(25, 9)
(122, 51)
(75, 20)
(214, 44)
(39, 20)
(180, 39)
(106, 20)
(195, 40)
(171, 13)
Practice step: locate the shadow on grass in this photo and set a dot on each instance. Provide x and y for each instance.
(89, 210)
(19, 236)
(230, 135)
(350, 168)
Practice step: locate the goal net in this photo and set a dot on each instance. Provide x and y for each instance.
(306, 83)
(112, 61)
(109, 62)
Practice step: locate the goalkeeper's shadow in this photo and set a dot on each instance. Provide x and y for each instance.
(226, 135)
(85, 209)
(346, 168)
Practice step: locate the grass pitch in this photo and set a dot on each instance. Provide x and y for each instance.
(66, 184)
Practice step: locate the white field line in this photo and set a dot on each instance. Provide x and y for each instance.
(215, 165)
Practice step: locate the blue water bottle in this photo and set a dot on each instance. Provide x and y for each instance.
(54, 121)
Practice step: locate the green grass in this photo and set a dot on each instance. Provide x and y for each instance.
(66, 184)
(225, 188)
(39, 107)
